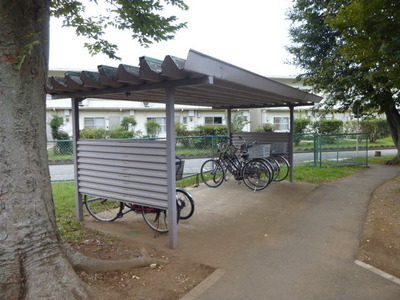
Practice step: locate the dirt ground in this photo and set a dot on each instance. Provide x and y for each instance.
(172, 279)
(168, 280)
(380, 242)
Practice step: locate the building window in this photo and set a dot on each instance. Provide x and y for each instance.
(184, 120)
(281, 124)
(94, 122)
(161, 121)
(213, 120)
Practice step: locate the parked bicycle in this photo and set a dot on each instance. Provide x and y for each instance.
(109, 210)
(255, 173)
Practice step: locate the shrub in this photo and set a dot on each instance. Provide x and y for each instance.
(128, 122)
(266, 127)
(238, 122)
(376, 129)
(204, 130)
(209, 130)
(152, 128)
(56, 122)
(181, 130)
(91, 133)
(328, 126)
(114, 133)
(351, 127)
(61, 148)
(300, 126)
(120, 133)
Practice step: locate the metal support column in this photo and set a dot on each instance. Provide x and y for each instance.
(229, 124)
(291, 141)
(75, 138)
(171, 169)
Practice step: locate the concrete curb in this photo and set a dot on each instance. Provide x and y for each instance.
(204, 285)
(378, 272)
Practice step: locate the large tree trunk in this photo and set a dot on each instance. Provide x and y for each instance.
(32, 260)
(393, 118)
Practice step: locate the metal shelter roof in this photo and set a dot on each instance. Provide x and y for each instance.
(199, 80)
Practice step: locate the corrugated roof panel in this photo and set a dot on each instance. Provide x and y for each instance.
(199, 80)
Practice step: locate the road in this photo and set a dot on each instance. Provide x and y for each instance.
(66, 172)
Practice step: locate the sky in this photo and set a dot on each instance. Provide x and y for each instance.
(250, 34)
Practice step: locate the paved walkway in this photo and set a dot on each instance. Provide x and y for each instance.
(309, 252)
(289, 241)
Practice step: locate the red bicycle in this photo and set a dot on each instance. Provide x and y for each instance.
(108, 210)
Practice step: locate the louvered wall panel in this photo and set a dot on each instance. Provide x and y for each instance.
(125, 170)
(279, 141)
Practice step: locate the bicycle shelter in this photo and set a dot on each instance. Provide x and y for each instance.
(143, 172)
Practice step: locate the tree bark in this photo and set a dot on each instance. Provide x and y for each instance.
(393, 118)
(32, 261)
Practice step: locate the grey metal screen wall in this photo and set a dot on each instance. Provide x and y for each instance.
(279, 141)
(124, 170)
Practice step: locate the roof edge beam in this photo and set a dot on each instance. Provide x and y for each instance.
(204, 64)
(144, 87)
(262, 105)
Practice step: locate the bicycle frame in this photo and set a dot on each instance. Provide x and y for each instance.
(232, 163)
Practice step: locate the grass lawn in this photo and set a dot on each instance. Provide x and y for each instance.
(73, 230)
(345, 143)
(184, 151)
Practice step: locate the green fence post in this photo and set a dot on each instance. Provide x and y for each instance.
(366, 149)
(337, 147)
(212, 145)
(315, 150)
(320, 150)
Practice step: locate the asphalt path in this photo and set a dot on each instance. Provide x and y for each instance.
(192, 166)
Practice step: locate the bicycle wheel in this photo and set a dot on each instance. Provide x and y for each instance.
(212, 173)
(256, 175)
(157, 219)
(284, 167)
(185, 203)
(274, 165)
(103, 209)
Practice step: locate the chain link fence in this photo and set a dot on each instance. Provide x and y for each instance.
(334, 149)
(319, 150)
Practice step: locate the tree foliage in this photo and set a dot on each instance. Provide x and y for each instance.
(372, 33)
(349, 50)
(142, 18)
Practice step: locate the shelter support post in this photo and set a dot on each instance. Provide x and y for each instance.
(75, 138)
(229, 124)
(171, 169)
(291, 141)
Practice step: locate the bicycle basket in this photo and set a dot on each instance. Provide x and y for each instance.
(179, 164)
(260, 151)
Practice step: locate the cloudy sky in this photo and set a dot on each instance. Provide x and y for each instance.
(250, 34)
